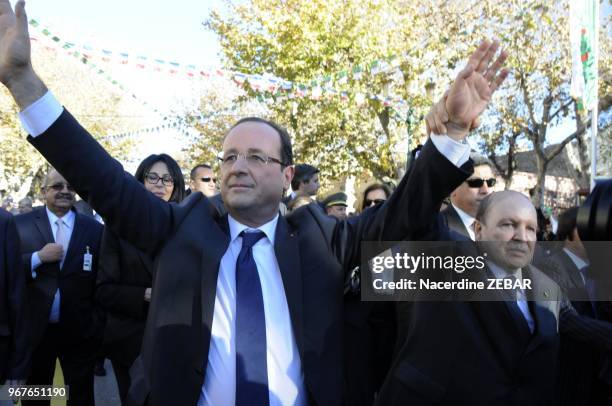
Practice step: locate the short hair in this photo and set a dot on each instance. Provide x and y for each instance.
(479, 160)
(178, 192)
(195, 169)
(303, 173)
(486, 203)
(374, 186)
(286, 152)
(26, 200)
(567, 224)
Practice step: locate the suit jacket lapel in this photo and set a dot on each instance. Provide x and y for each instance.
(572, 270)
(78, 234)
(288, 256)
(213, 247)
(544, 312)
(42, 224)
(454, 221)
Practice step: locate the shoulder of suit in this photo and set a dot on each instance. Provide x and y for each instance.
(544, 280)
(90, 221)
(27, 217)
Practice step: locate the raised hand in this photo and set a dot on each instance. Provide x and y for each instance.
(14, 41)
(16, 71)
(470, 93)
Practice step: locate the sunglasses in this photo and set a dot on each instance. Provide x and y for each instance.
(58, 187)
(369, 202)
(479, 182)
(208, 180)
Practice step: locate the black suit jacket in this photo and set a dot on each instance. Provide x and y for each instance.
(78, 316)
(480, 353)
(124, 273)
(579, 362)
(188, 240)
(14, 352)
(450, 218)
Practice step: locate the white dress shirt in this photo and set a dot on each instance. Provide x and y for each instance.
(579, 262)
(285, 376)
(521, 300)
(467, 221)
(68, 220)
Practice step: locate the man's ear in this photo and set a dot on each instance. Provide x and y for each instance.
(477, 229)
(288, 174)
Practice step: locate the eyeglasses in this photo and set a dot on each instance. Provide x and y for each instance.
(58, 187)
(208, 180)
(369, 202)
(253, 160)
(154, 178)
(478, 182)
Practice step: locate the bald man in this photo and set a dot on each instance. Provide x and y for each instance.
(502, 351)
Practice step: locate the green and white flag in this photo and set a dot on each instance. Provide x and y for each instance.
(583, 18)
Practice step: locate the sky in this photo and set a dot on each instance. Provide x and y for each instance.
(172, 31)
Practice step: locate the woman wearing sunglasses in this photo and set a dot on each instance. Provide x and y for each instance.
(125, 275)
(374, 194)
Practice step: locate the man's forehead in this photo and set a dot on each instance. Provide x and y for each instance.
(513, 206)
(482, 169)
(251, 135)
(55, 176)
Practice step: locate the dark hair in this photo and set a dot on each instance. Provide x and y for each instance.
(303, 174)
(286, 153)
(374, 186)
(567, 224)
(195, 169)
(178, 193)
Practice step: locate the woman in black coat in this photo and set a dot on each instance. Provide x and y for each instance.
(125, 275)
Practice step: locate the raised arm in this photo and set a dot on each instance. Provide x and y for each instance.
(132, 212)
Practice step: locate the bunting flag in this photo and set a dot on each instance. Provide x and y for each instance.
(268, 88)
(583, 35)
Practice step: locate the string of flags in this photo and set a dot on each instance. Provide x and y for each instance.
(268, 88)
(322, 88)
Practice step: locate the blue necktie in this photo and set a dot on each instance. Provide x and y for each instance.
(251, 364)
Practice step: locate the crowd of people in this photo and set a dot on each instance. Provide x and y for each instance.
(244, 289)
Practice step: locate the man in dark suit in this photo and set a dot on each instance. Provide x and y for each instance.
(579, 364)
(460, 214)
(246, 308)
(13, 340)
(463, 351)
(59, 251)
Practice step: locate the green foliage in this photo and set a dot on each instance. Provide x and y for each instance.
(98, 108)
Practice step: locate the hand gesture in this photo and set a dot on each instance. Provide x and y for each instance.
(14, 41)
(51, 252)
(469, 94)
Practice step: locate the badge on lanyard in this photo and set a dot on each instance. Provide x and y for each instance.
(87, 260)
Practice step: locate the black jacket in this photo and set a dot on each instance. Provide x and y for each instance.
(124, 273)
(14, 351)
(79, 316)
(314, 252)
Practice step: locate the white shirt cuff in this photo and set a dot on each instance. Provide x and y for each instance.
(456, 152)
(38, 117)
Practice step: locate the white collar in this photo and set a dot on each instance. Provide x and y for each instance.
(579, 262)
(501, 273)
(269, 229)
(68, 218)
(465, 218)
